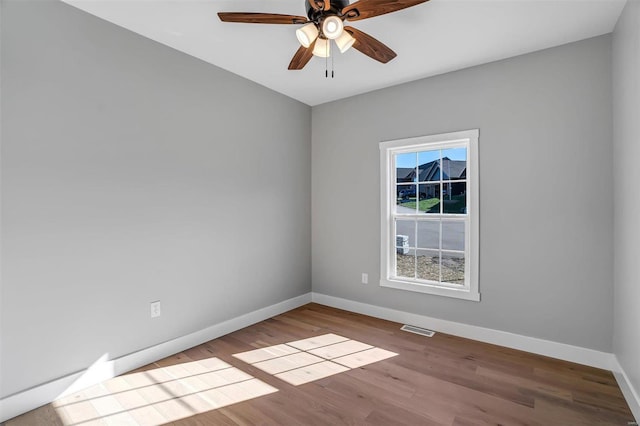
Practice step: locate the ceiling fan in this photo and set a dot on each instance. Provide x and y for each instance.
(325, 23)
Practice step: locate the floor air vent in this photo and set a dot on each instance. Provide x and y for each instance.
(418, 330)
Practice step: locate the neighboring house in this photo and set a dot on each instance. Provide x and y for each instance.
(451, 170)
(405, 174)
(430, 172)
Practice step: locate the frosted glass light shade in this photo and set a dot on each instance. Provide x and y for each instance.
(322, 48)
(345, 41)
(332, 27)
(307, 34)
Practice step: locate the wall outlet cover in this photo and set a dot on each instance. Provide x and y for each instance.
(155, 309)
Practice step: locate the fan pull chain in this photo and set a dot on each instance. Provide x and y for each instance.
(331, 66)
(326, 60)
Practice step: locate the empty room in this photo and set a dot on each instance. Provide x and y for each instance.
(319, 212)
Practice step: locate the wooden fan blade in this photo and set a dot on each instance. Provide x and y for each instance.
(370, 46)
(261, 18)
(364, 9)
(320, 4)
(302, 57)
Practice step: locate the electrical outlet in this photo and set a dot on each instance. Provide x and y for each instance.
(155, 309)
(365, 278)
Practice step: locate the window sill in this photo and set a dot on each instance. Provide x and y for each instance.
(464, 294)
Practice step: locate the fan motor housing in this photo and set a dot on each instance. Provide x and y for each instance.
(336, 7)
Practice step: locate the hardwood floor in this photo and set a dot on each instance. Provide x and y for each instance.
(442, 380)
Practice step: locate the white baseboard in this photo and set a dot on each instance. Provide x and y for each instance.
(534, 345)
(630, 393)
(577, 354)
(37, 396)
(19, 403)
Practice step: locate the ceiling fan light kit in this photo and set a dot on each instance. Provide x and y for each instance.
(307, 34)
(332, 27)
(345, 41)
(322, 49)
(326, 23)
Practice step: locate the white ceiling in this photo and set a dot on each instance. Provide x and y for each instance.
(432, 38)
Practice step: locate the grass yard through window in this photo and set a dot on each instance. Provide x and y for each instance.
(455, 204)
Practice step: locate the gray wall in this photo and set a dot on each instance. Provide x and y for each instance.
(131, 173)
(546, 221)
(626, 152)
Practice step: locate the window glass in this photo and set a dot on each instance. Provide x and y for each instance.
(406, 167)
(429, 166)
(428, 265)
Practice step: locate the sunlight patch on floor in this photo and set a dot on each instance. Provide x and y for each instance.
(307, 360)
(161, 395)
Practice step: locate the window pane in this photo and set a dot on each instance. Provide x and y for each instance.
(406, 264)
(452, 235)
(405, 233)
(406, 167)
(454, 164)
(454, 197)
(428, 165)
(428, 265)
(429, 198)
(406, 199)
(429, 234)
(453, 268)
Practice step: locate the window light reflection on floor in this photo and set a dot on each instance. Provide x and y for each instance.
(307, 360)
(161, 395)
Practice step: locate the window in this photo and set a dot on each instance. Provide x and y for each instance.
(429, 201)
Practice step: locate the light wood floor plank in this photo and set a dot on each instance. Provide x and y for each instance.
(443, 380)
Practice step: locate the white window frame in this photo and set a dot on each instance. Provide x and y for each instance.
(388, 197)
